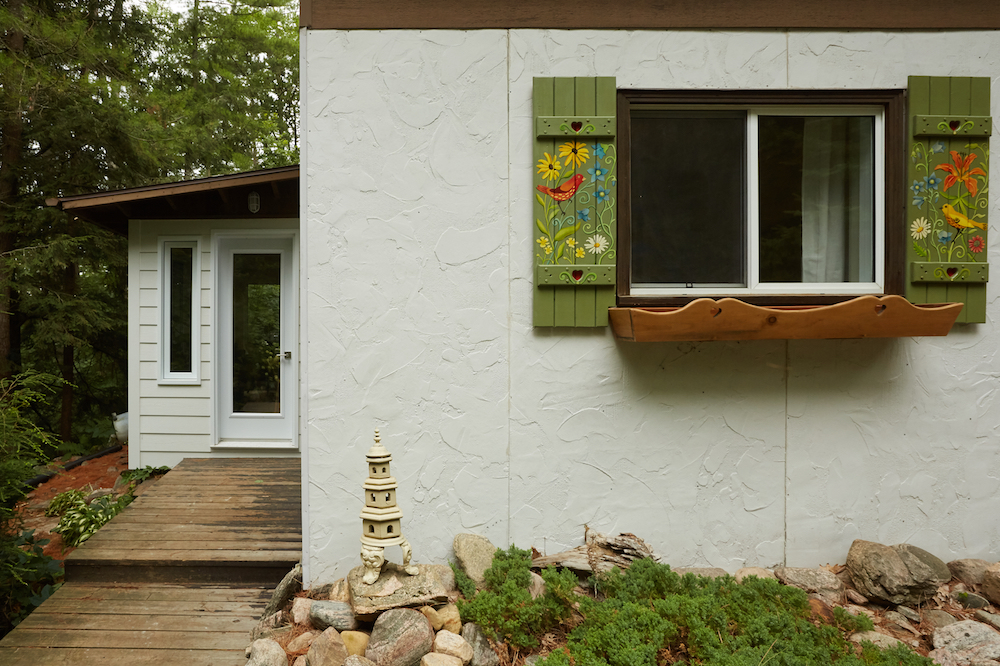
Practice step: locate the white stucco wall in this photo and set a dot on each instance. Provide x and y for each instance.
(418, 262)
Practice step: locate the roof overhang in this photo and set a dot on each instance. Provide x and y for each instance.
(218, 197)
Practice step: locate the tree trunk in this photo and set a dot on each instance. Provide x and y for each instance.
(68, 374)
(10, 158)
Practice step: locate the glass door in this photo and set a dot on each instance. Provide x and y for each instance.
(257, 333)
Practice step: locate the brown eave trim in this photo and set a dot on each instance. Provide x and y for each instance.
(645, 15)
(171, 189)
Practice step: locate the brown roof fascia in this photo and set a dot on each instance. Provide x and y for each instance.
(166, 190)
(646, 14)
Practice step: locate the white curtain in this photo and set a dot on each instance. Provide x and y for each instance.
(837, 215)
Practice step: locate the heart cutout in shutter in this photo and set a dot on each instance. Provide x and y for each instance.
(954, 125)
(951, 271)
(576, 125)
(577, 275)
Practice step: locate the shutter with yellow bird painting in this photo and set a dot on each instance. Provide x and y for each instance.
(948, 187)
(575, 192)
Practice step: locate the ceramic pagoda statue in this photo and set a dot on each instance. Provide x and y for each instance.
(381, 517)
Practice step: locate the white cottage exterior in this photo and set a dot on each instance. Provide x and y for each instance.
(213, 351)
(399, 276)
(417, 255)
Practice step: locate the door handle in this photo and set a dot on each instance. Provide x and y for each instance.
(288, 355)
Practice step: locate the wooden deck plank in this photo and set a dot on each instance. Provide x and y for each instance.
(152, 607)
(110, 638)
(39, 656)
(212, 544)
(124, 556)
(179, 578)
(97, 593)
(133, 622)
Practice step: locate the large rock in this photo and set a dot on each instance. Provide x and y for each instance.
(265, 652)
(965, 642)
(358, 660)
(482, 651)
(450, 618)
(336, 614)
(445, 642)
(474, 555)
(355, 641)
(395, 588)
(821, 582)
(400, 637)
(300, 610)
(302, 642)
(438, 659)
(901, 574)
(874, 637)
(286, 589)
(327, 649)
(970, 571)
(759, 572)
(991, 583)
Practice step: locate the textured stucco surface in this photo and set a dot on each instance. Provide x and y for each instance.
(417, 264)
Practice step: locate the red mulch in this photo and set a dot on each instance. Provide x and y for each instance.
(93, 474)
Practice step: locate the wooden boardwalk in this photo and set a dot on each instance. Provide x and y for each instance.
(179, 577)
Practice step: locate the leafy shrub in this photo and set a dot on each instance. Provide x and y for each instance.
(63, 501)
(142, 473)
(505, 607)
(80, 521)
(21, 441)
(27, 577)
(649, 609)
(464, 584)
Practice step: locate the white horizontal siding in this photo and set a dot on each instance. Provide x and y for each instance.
(174, 421)
(177, 424)
(170, 406)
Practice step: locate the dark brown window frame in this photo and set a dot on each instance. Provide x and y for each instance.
(894, 103)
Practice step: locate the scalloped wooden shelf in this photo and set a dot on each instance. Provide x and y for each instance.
(732, 319)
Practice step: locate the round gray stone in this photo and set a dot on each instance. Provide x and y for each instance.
(474, 555)
(265, 652)
(966, 641)
(327, 649)
(969, 570)
(482, 651)
(400, 637)
(336, 614)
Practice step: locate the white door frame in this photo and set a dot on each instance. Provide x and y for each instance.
(255, 431)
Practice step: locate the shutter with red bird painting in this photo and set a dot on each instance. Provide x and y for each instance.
(575, 191)
(947, 201)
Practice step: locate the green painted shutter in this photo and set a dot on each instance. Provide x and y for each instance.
(575, 181)
(948, 180)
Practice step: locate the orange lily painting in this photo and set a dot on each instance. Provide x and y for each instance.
(961, 172)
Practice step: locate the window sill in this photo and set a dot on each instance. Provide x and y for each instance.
(732, 319)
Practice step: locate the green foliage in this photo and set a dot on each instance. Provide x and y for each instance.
(81, 521)
(505, 607)
(649, 608)
(63, 501)
(465, 584)
(27, 577)
(21, 441)
(141, 474)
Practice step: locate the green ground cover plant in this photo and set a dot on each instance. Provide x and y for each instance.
(143, 473)
(648, 615)
(80, 521)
